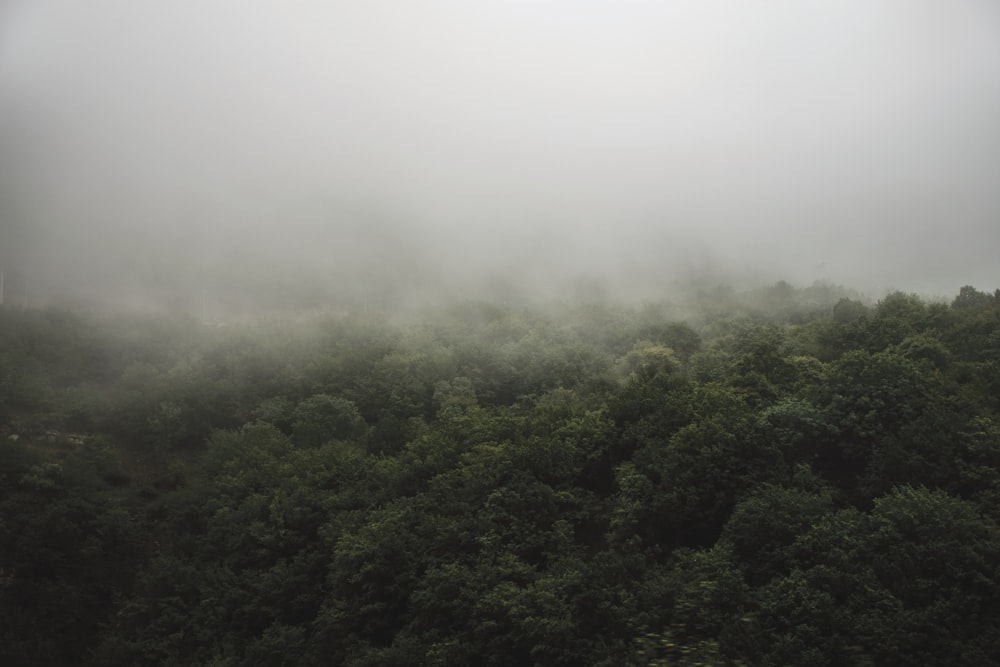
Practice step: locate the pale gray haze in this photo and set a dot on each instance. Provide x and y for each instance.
(189, 150)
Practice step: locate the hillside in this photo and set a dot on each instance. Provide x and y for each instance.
(781, 476)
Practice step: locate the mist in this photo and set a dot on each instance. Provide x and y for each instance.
(252, 152)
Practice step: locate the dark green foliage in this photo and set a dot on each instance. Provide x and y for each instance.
(913, 582)
(786, 477)
(969, 298)
(321, 418)
(762, 529)
(68, 548)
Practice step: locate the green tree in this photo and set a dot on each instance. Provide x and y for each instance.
(763, 528)
(322, 417)
(67, 549)
(912, 583)
(969, 298)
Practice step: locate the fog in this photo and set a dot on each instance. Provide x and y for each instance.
(192, 151)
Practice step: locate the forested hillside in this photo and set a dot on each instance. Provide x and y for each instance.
(780, 477)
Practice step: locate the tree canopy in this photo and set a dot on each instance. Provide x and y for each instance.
(769, 478)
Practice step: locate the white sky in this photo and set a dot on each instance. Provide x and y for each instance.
(850, 140)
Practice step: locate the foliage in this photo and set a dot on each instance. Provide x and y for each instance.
(784, 476)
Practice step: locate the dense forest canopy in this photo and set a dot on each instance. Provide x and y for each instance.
(780, 476)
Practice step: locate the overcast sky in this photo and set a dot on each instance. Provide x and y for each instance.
(855, 141)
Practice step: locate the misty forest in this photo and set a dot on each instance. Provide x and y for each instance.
(782, 477)
(535, 332)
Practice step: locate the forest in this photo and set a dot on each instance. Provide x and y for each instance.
(777, 476)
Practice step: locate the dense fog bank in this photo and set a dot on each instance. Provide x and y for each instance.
(401, 151)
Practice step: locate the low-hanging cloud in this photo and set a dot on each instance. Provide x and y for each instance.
(205, 145)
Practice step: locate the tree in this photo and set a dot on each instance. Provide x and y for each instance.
(912, 582)
(763, 528)
(969, 298)
(869, 397)
(67, 549)
(322, 417)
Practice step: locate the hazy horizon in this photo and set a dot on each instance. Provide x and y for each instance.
(170, 150)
